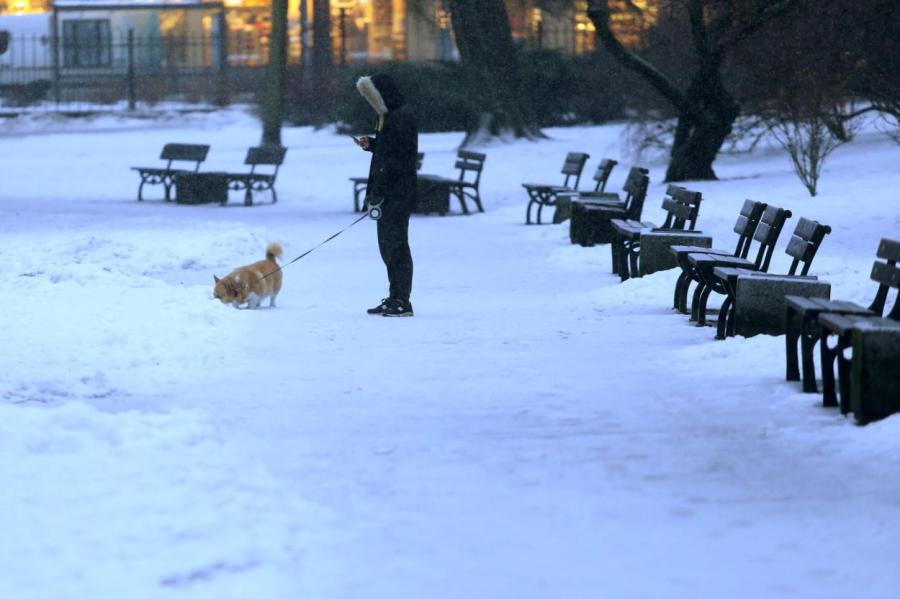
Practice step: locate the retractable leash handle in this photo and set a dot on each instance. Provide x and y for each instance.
(375, 209)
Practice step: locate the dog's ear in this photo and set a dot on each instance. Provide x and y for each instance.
(216, 279)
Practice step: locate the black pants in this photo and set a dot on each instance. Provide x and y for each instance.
(393, 241)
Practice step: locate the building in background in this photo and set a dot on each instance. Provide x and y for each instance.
(363, 30)
(421, 29)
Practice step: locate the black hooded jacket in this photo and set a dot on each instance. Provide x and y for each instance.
(392, 174)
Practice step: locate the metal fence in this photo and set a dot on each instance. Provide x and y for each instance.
(92, 69)
(43, 73)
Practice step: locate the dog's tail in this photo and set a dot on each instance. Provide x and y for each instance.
(273, 250)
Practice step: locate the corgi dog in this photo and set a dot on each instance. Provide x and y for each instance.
(249, 284)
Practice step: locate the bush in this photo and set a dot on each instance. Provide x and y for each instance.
(432, 88)
(559, 89)
(25, 94)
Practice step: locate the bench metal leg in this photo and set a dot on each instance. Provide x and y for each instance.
(462, 200)
(724, 318)
(620, 249)
(844, 363)
(809, 334)
(679, 301)
(167, 185)
(829, 396)
(477, 198)
(701, 309)
(791, 340)
(141, 191)
(274, 195)
(356, 206)
(695, 301)
(528, 211)
(634, 249)
(614, 251)
(684, 309)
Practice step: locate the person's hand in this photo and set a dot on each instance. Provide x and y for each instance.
(362, 142)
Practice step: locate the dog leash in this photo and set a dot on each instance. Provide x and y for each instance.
(374, 212)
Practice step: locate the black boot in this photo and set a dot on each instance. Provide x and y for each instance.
(379, 309)
(396, 307)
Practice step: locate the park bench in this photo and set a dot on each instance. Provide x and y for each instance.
(754, 302)
(468, 162)
(601, 177)
(591, 218)
(360, 184)
(745, 227)
(802, 316)
(165, 176)
(255, 181)
(642, 248)
(434, 191)
(702, 264)
(802, 320)
(867, 354)
(545, 194)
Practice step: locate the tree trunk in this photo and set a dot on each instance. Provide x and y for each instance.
(322, 54)
(703, 129)
(488, 54)
(273, 110)
(706, 111)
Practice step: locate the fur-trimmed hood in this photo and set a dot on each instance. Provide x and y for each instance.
(381, 93)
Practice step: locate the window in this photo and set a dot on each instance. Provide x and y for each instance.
(87, 43)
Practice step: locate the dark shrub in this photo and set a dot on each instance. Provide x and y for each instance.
(559, 89)
(25, 94)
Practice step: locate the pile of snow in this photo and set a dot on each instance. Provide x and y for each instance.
(537, 430)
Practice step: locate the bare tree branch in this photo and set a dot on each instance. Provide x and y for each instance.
(599, 14)
(757, 22)
(698, 27)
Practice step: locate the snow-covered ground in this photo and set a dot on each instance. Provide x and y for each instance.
(537, 430)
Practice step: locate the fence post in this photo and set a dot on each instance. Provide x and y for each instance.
(54, 34)
(222, 98)
(132, 88)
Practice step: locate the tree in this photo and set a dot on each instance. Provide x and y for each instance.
(273, 111)
(706, 110)
(808, 138)
(322, 51)
(876, 60)
(488, 55)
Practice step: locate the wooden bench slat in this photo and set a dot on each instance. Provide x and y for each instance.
(799, 248)
(265, 155)
(886, 274)
(806, 229)
(574, 163)
(889, 249)
(678, 209)
(469, 155)
(802, 303)
(185, 152)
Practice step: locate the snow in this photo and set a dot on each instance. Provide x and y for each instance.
(537, 430)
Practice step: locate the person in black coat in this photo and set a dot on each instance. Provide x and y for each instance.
(392, 185)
